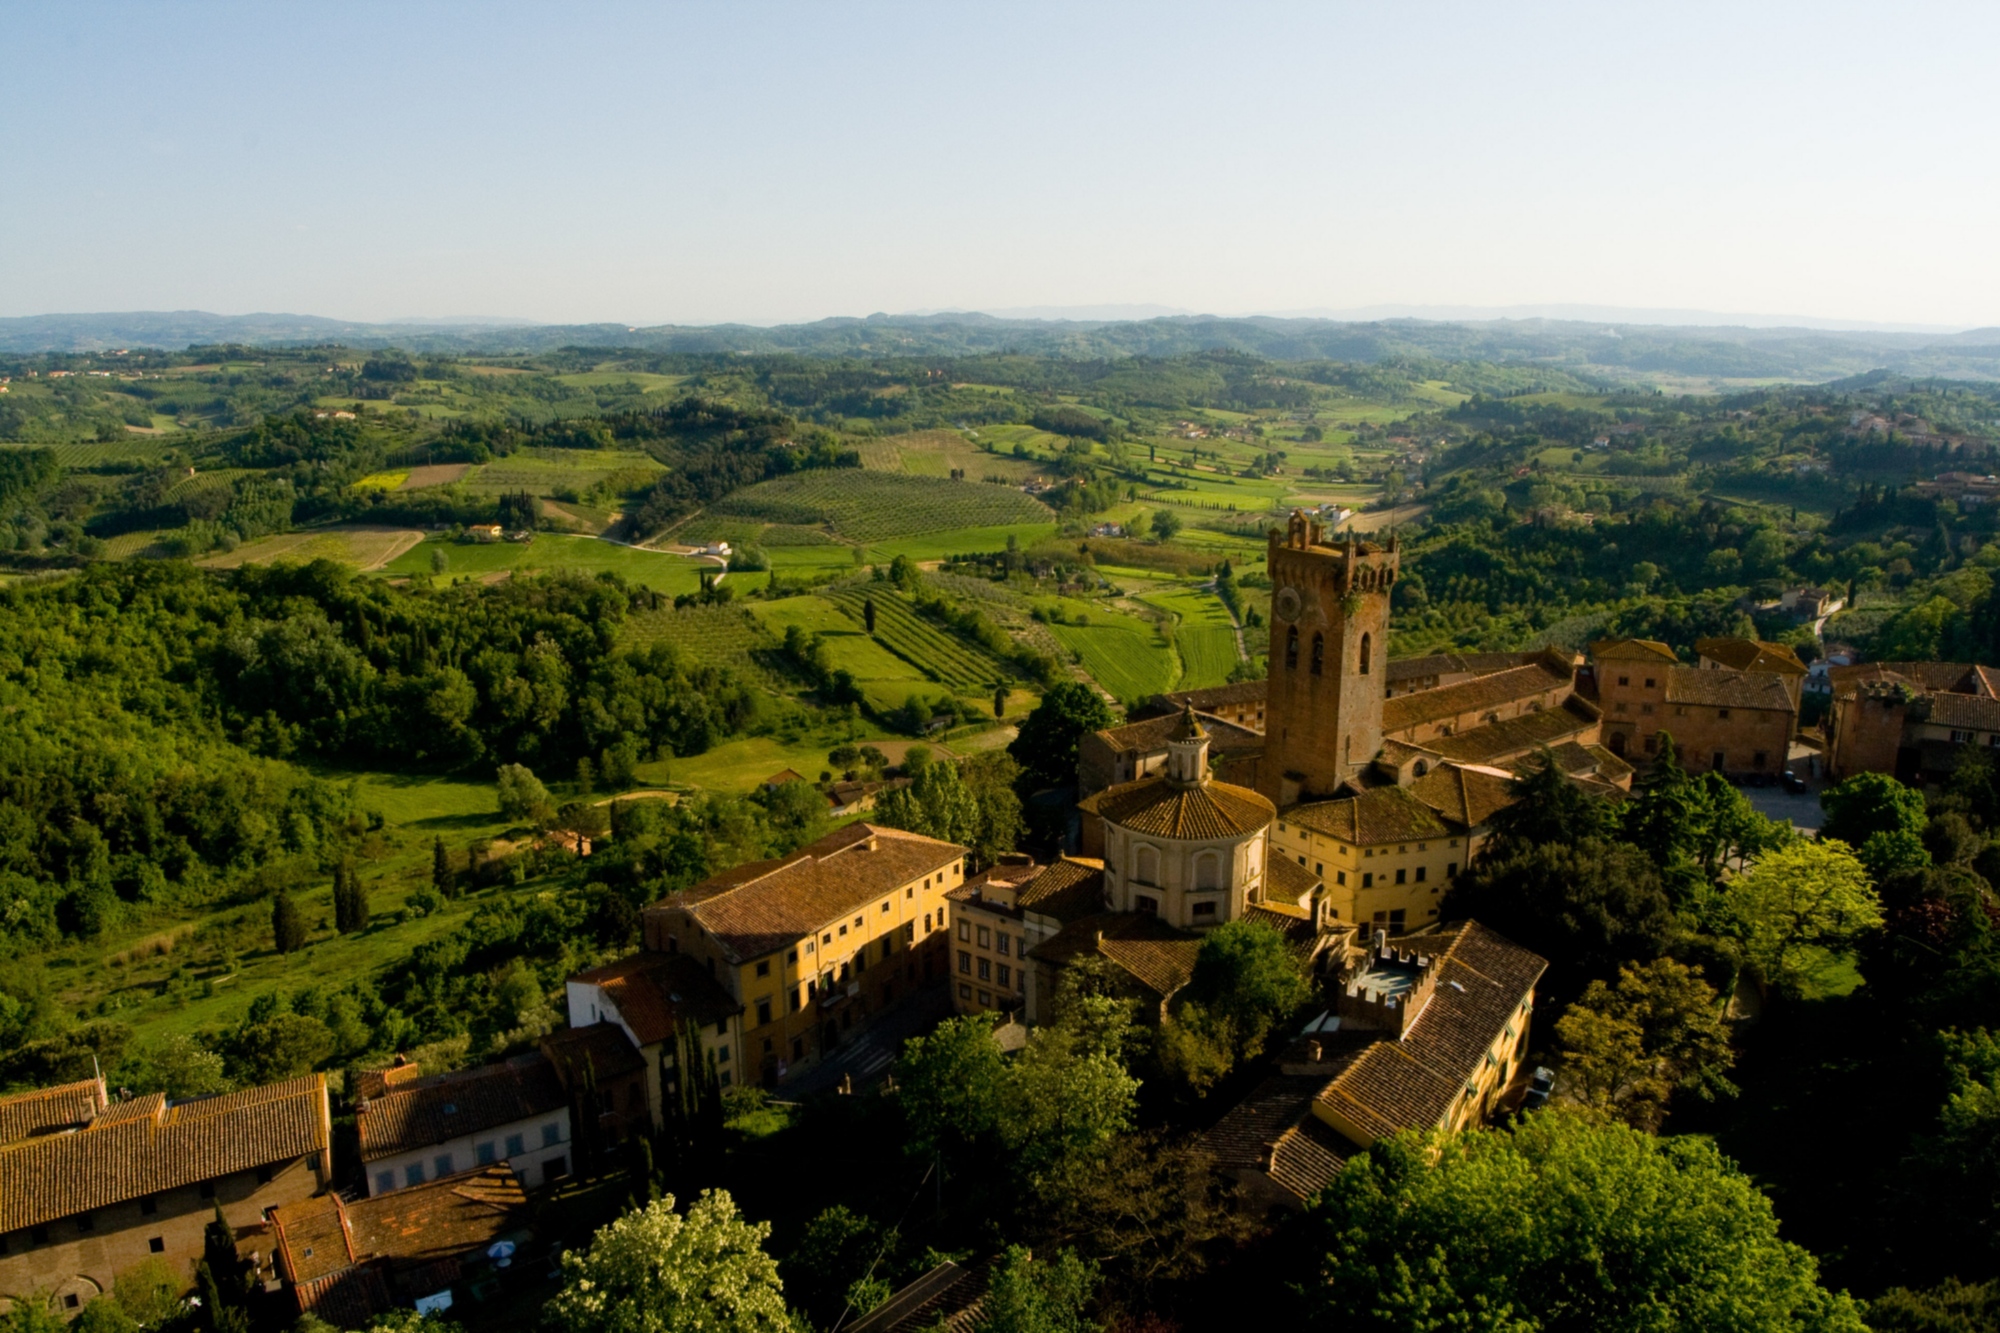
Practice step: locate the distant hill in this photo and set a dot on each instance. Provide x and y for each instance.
(1626, 352)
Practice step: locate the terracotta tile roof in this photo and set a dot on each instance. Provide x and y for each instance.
(1297, 928)
(1609, 766)
(66, 1106)
(1152, 952)
(1274, 1131)
(342, 1258)
(1214, 698)
(132, 1155)
(1751, 655)
(949, 1298)
(770, 905)
(1164, 809)
(1464, 794)
(1382, 814)
(656, 992)
(1471, 696)
(1452, 664)
(1726, 689)
(467, 1101)
(1412, 1083)
(1984, 680)
(1071, 888)
(602, 1048)
(1631, 650)
(1510, 736)
(1970, 712)
(1151, 734)
(1286, 881)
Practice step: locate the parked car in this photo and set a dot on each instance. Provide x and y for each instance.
(1794, 784)
(1540, 1084)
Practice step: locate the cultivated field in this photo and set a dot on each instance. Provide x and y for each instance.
(366, 548)
(867, 506)
(658, 570)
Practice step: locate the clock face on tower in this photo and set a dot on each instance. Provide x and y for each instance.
(1287, 604)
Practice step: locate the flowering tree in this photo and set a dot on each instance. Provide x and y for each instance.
(658, 1271)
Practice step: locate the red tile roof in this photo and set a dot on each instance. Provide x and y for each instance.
(655, 993)
(601, 1048)
(1152, 952)
(1631, 650)
(1751, 655)
(443, 1107)
(1727, 689)
(1193, 813)
(68, 1106)
(760, 908)
(1471, 696)
(154, 1147)
(1376, 816)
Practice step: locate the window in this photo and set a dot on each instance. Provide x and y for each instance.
(1652, 744)
(965, 930)
(986, 969)
(157, 1244)
(1624, 680)
(1364, 654)
(552, 1132)
(843, 927)
(1757, 759)
(1340, 877)
(1402, 875)
(1368, 881)
(763, 1012)
(441, 1164)
(1208, 871)
(1000, 942)
(828, 938)
(515, 1145)
(986, 997)
(1006, 977)
(1393, 920)
(885, 905)
(413, 1174)
(909, 931)
(985, 936)
(858, 922)
(71, 1301)
(1147, 866)
(1204, 909)
(384, 1181)
(1150, 906)
(791, 955)
(1292, 648)
(964, 961)
(484, 1153)
(1319, 868)
(809, 946)
(964, 991)
(797, 1002)
(888, 946)
(764, 968)
(1451, 868)
(1319, 654)
(909, 893)
(722, 1028)
(927, 923)
(1722, 712)
(1649, 682)
(1645, 708)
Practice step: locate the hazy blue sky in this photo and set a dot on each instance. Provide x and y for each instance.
(770, 163)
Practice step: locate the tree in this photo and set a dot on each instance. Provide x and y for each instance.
(178, 1066)
(1030, 1295)
(1627, 1048)
(1801, 898)
(935, 804)
(150, 1291)
(1067, 1093)
(1950, 1307)
(868, 613)
(288, 928)
(1545, 807)
(951, 1080)
(1047, 743)
(837, 1250)
(657, 1271)
(1871, 803)
(1165, 524)
(442, 878)
(991, 776)
(1246, 980)
(1000, 695)
(1589, 908)
(280, 1047)
(1559, 1224)
(522, 796)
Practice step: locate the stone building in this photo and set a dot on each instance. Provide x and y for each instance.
(1910, 719)
(90, 1187)
(515, 1113)
(1724, 720)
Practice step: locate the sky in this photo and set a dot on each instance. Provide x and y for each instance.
(775, 163)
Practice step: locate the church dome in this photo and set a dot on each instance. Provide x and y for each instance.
(1193, 812)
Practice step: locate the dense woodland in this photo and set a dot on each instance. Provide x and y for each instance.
(185, 751)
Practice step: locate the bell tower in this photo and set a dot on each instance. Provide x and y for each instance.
(1329, 655)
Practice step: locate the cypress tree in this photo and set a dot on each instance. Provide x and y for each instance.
(343, 905)
(357, 901)
(288, 928)
(441, 877)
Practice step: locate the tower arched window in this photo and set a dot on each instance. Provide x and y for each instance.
(1319, 654)
(1364, 654)
(1292, 648)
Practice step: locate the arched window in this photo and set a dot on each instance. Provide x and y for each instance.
(1292, 648)
(1364, 654)
(1319, 653)
(1423, 767)
(1208, 871)
(1146, 866)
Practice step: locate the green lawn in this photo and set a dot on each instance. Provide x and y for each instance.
(1125, 655)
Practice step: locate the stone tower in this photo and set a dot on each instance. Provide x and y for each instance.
(1329, 660)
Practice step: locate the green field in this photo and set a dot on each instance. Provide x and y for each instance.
(715, 635)
(938, 654)
(867, 506)
(1204, 635)
(1126, 655)
(657, 570)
